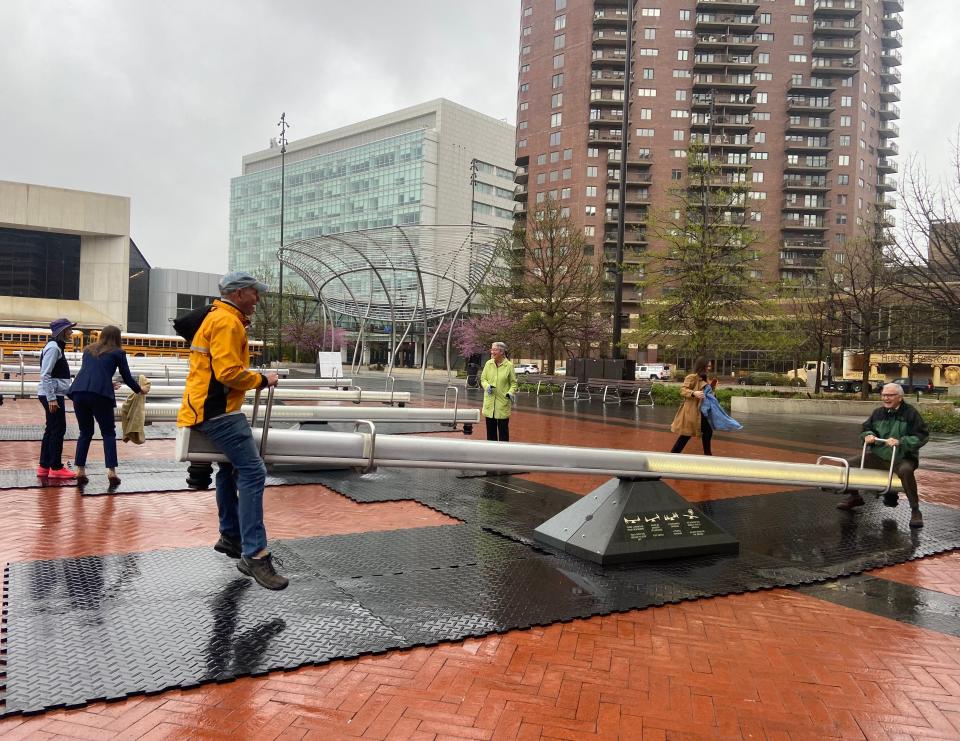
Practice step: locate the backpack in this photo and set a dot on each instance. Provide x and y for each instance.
(187, 325)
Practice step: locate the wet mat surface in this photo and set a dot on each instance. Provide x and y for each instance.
(144, 622)
(159, 431)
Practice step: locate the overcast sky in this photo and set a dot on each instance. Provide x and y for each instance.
(159, 100)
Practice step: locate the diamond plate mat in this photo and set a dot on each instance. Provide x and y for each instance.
(159, 431)
(145, 622)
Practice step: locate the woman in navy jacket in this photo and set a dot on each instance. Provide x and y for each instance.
(93, 399)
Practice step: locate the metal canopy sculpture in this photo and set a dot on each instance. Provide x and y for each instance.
(398, 275)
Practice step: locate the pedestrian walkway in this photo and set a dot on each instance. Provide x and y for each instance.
(778, 663)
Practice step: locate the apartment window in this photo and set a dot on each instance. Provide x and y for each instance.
(557, 81)
(760, 137)
(527, 12)
(684, 15)
(616, 94)
(555, 139)
(567, 173)
(759, 155)
(760, 116)
(843, 180)
(681, 95)
(678, 153)
(524, 68)
(521, 124)
(646, 114)
(591, 171)
(756, 216)
(846, 101)
(763, 57)
(650, 12)
(683, 33)
(524, 50)
(798, 39)
(524, 105)
(649, 33)
(841, 199)
(846, 120)
(565, 214)
(676, 174)
(796, 57)
(681, 73)
(541, 178)
(679, 113)
(679, 135)
(649, 52)
(567, 154)
(761, 98)
(763, 37)
(556, 119)
(521, 144)
(801, 3)
(644, 132)
(559, 41)
(763, 76)
(593, 152)
(766, 19)
(839, 257)
(559, 5)
(525, 87)
(554, 157)
(590, 210)
(648, 73)
(557, 61)
(799, 18)
(541, 197)
(590, 191)
(683, 55)
(560, 22)
(758, 195)
(556, 100)
(554, 176)
(844, 140)
(541, 159)
(757, 177)
(564, 194)
(527, 30)
(646, 92)
(841, 218)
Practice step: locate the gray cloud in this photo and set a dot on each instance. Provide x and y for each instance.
(159, 101)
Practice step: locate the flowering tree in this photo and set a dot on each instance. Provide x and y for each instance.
(474, 334)
(311, 337)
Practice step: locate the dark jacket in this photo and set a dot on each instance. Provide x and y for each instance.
(96, 375)
(903, 423)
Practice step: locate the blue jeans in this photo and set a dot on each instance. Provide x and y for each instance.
(51, 445)
(89, 407)
(240, 482)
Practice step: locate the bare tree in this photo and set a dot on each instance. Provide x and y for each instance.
(554, 287)
(812, 304)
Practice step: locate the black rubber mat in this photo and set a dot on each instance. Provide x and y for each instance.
(150, 621)
(8, 433)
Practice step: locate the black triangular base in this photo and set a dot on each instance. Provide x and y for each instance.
(628, 520)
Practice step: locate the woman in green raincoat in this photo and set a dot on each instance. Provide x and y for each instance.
(499, 384)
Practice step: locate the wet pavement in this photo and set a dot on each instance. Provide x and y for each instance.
(875, 655)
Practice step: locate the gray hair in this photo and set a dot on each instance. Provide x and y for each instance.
(502, 346)
(891, 387)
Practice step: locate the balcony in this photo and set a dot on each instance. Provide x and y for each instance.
(814, 85)
(835, 46)
(724, 81)
(892, 6)
(630, 237)
(521, 175)
(888, 148)
(815, 224)
(892, 39)
(801, 261)
(607, 78)
(891, 75)
(893, 21)
(742, 23)
(809, 203)
(803, 244)
(610, 17)
(734, 100)
(723, 141)
(886, 203)
(844, 66)
(889, 110)
(727, 41)
(889, 93)
(800, 182)
(607, 138)
(891, 57)
(709, 60)
(702, 120)
(608, 37)
(803, 126)
(835, 26)
(889, 129)
(607, 56)
(734, 6)
(818, 164)
(633, 218)
(805, 104)
(844, 8)
(806, 143)
(520, 193)
(886, 184)
(886, 166)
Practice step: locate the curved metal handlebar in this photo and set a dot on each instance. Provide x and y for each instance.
(456, 402)
(371, 466)
(842, 462)
(893, 461)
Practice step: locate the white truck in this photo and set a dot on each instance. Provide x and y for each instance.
(850, 381)
(653, 371)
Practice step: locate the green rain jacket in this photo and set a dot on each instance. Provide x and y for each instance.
(504, 381)
(903, 423)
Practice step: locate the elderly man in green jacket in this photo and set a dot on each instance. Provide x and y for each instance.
(895, 431)
(499, 384)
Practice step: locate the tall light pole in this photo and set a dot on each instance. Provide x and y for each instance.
(473, 188)
(622, 201)
(283, 172)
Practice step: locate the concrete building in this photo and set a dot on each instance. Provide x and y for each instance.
(175, 292)
(795, 98)
(433, 163)
(63, 253)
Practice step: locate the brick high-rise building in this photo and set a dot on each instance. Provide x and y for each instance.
(795, 98)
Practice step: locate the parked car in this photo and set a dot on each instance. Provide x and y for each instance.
(526, 368)
(919, 384)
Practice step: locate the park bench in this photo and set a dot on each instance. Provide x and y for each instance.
(544, 384)
(611, 390)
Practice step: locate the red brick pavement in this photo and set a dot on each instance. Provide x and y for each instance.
(775, 664)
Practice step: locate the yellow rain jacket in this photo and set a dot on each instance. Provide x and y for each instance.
(218, 378)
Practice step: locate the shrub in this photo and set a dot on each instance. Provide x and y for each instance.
(941, 420)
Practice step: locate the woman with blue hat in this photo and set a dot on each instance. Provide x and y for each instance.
(53, 386)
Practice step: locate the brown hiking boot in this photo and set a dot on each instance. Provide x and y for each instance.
(261, 569)
(916, 519)
(854, 500)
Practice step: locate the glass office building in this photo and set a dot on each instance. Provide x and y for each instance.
(435, 163)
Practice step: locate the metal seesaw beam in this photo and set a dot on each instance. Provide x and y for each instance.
(168, 413)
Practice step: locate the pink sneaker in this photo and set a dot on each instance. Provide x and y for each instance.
(61, 473)
(42, 471)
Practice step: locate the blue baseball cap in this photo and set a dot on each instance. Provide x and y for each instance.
(240, 279)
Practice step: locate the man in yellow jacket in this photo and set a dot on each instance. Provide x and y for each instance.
(217, 382)
(499, 383)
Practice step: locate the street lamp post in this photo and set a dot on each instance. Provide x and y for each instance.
(283, 172)
(622, 200)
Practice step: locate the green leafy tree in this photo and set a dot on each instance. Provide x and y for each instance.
(708, 297)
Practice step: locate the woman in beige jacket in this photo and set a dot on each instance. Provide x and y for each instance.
(689, 422)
